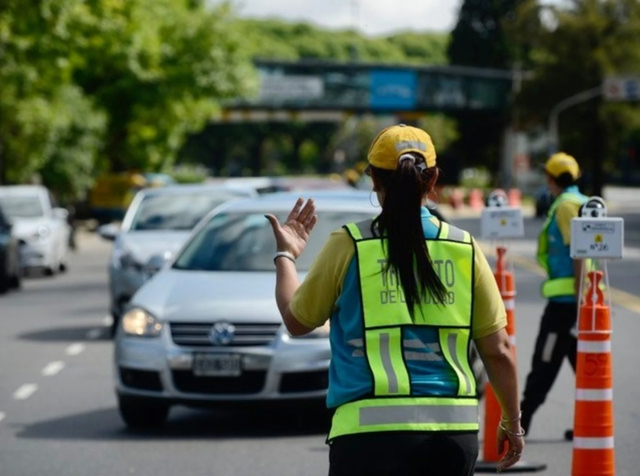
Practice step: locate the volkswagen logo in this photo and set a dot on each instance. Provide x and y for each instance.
(222, 333)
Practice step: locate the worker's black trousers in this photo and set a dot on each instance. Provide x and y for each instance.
(555, 342)
(404, 454)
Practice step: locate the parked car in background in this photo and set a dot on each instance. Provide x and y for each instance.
(207, 329)
(10, 268)
(38, 223)
(155, 226)
(111, 194)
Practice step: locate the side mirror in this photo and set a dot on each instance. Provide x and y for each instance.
(109, 232)
(155, 264)
(61, 214)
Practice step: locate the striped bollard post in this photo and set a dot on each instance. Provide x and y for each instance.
(593, 451)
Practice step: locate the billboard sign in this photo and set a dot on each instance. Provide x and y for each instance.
(393, 89)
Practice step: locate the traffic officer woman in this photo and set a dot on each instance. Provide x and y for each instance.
(405, 295)
(555, 339)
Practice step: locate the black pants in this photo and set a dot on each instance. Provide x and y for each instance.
(554, 343)
(404, 454)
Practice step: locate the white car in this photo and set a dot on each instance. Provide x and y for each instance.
(206, 328)
(39, 224)
(157, 223)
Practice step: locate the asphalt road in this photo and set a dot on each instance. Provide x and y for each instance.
(58, 411)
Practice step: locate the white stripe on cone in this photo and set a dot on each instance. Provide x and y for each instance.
(512, 340)
(585, 443)
(594, 395)
(509, 304)
(594, 347)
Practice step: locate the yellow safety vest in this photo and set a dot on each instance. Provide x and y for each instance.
(555, 287)
(393, 406)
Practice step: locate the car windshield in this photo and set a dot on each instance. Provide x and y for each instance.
(245, 242)
(25, 206)
(175, 211)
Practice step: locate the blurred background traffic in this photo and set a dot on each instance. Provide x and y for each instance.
(142, 141)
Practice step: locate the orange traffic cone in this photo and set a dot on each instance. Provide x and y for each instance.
(515, 197)
(475, 199)
(593, 452)
(492, 412)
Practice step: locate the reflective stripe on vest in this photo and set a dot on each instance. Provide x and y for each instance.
(556, 287)
(385, 315)
(402, 414)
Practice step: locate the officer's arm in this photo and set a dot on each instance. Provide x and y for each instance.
(499, 361)
(287, 282)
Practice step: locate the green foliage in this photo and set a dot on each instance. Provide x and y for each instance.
(279, 40)
(162, 67)
(47, 124)
(112, 84)
(480, 37)
(573, 51)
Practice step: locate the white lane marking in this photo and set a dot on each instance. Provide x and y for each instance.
(594, 346)
(94, 334)
(52, 368)
(25, 391)
(107, 320)
(586, 443)
(75, 349)
(594, 395)
(2, 415)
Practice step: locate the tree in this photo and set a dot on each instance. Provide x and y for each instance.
(159, 69)
(573, 51)
(481, 39)
(47, 124)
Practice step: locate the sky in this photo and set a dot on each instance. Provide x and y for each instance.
(372, 17)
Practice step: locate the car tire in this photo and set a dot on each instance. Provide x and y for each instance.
(63, 268)
(49, 271)
(141, 413)
(4, 279)
(15, 282)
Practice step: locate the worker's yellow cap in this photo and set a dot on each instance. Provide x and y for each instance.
(395, 141)
(562, 163)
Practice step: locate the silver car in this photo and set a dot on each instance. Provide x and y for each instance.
(207, 330)
(39, 224)
(155, 226)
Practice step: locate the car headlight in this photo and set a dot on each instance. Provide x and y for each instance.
(138, 322)
(319, 333)
(40, 233)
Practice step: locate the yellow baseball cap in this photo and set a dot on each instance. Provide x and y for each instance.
(395, 141)
(562, 163)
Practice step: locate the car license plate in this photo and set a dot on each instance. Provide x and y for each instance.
(217, 365)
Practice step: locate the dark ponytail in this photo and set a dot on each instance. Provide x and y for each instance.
(401, 224)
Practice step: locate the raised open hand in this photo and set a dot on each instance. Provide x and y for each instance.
(294, 234)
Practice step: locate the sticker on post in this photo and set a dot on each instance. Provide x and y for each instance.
(502, 222)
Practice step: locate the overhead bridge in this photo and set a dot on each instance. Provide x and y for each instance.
(329, 91)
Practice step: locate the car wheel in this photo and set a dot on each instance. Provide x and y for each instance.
(4, 279)
(63, 268)
(49, 271)
(142, 412)
(16, 281)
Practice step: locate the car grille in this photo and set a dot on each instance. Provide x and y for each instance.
(246, 334)
(248, 382)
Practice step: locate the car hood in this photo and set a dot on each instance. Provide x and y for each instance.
(202, 296)
(142, 245)
(27, 227)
